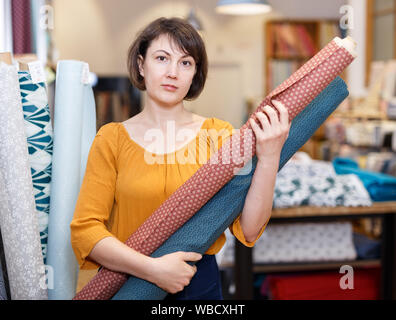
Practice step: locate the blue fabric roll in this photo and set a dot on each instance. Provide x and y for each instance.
(38, 129)
(198, 233)
(380, 186)
(74, 131)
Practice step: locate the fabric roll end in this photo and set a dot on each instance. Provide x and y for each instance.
(348, 43)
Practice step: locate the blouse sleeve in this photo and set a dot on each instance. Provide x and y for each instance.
(96, 197)
(225, 131)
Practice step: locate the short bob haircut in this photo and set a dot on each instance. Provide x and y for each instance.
(185, 37)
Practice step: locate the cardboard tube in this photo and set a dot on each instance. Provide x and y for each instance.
(6, 57)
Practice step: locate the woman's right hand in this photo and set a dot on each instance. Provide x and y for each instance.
(172, 273)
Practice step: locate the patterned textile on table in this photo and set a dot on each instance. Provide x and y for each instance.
(315, 183)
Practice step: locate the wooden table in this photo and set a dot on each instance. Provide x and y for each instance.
(244, 269)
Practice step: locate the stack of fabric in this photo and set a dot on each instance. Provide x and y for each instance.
(381, 187)
(300, 242)
(362, 284)
(315, 183)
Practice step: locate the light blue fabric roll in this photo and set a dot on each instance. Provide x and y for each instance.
(202, 230)
(38, 129)
(74, 131)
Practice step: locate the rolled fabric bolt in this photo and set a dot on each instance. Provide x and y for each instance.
(74, 131)
(18, 216)
(38, 129)
(295, 93)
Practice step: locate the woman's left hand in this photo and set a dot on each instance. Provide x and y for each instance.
(274, 132)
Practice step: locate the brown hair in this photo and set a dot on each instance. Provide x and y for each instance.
(186, 38)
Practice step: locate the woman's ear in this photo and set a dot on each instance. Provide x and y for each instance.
(140, 64)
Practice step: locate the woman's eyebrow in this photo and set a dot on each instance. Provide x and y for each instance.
(167, 53)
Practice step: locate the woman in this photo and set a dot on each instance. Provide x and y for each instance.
(127, 178)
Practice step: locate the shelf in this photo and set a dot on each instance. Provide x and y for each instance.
(310, 211)
(309, 266)
(359, 115)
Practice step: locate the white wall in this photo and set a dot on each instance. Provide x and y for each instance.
(100, 32)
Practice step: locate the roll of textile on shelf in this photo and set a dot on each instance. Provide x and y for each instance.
(21, 26)
(74, 131)
(18, 216)
(198, 233)
(38, 130)
(296, 93)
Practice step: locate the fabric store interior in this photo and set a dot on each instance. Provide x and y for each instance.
(332, 229)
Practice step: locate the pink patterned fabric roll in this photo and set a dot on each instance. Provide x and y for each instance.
(295, 93)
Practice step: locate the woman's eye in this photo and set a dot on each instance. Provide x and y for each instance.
(161, 58)
(187, 63)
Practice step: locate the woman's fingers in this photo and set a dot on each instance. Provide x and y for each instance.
(256, 128)
(272, 115)
(270, 121)
(283, 113)
(265, 123)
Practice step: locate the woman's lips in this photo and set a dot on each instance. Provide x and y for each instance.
(169, 87)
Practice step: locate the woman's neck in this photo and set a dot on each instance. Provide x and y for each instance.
(158, 115)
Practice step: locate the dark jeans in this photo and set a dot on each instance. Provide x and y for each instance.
(204, 285)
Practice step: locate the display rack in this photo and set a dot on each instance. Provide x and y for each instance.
(245, 269)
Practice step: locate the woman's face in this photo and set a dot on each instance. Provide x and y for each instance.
(168, 72)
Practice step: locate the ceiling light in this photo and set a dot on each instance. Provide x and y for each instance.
(242, 7)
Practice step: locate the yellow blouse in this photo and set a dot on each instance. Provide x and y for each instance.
(122, 187)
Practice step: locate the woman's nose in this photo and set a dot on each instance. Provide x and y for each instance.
(172, 70)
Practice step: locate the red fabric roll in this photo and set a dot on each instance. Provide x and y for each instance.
(21, 27)
(295, 93)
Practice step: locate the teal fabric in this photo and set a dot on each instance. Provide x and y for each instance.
(380, 186)
(202, 230)
(38, 129)
(74, 131)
